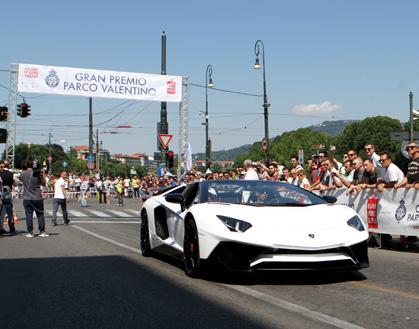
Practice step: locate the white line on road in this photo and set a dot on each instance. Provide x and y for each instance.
(317, 316)
(77, 213)
(58, 213)
(104, 222)
(119, 213)
(119, 244)
(135, 212)
(98, 213)
(305, 312)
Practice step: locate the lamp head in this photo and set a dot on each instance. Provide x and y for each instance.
(210, 83)
(257, 64)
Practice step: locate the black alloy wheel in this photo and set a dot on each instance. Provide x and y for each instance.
(191, 256)
(145, 246)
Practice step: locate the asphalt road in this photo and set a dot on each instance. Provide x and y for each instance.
(90, 275)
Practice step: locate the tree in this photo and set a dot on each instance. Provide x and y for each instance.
(372, 130)
(288, 144)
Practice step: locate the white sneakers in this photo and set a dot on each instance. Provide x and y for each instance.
(43, 234)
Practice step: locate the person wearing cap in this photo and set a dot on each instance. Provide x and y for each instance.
(412, 176)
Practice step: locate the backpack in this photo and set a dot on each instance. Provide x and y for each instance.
(6, 195)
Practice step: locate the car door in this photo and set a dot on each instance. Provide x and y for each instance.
(176, 221)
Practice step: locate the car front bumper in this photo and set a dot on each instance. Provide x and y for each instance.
(243, 257)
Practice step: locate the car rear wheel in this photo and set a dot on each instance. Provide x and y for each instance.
(145, 246)
(191, 256)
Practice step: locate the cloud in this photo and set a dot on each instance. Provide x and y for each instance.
(310, 109)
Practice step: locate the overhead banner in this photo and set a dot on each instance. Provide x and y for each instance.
(96, 83)
(394, 211)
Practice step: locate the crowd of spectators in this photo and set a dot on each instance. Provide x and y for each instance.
(321, 172)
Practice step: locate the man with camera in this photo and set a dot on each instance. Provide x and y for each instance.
(8, 181)
(32, 179)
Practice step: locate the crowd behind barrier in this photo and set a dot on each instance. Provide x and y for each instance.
(380, 192)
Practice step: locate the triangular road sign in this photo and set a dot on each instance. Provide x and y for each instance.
(165, 140)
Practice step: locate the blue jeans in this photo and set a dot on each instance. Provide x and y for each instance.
(56, 203)
(7, 208)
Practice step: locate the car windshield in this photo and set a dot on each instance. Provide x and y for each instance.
(259, 193)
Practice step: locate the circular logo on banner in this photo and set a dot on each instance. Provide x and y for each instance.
(400, 211)
(52, 80)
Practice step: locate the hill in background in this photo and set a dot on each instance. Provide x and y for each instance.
(333, 128)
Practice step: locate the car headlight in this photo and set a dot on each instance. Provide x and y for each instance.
(235, 225)
(356, 223)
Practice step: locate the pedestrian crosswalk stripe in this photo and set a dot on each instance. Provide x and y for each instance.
(119, 213)
(98, 213)
(58, 213)
(77, 213)
(135, 212)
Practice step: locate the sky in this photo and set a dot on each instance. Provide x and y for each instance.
(325, 59)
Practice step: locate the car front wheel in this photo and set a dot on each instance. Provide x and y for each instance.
(191, 249)
(145, 246)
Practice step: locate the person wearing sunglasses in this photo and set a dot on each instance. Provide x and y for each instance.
(412, 176)
(302, 179)
(374, 157)
(392, 174)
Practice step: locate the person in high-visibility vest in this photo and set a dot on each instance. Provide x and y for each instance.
(119, 186)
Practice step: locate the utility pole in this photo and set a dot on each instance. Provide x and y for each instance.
(97, 150)
(90, 130)
(49, 151)
(411, 134)
(163, 126)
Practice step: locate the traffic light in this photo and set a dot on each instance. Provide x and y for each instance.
(23, 110)
(170, 160)
(3, 113)
(26, 110)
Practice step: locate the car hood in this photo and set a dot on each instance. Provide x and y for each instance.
(310, 227)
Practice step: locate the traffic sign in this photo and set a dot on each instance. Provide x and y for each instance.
(90, 165)
(264, 144)
(165, 140)
(300, 156)
(50, 158)
(403, 135)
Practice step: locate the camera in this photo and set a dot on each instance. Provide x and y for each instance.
(36, 166)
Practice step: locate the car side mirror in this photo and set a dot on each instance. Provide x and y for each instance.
(329, 198)
(176, 198)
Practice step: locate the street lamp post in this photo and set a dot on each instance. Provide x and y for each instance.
(208, 83)
(260, 49)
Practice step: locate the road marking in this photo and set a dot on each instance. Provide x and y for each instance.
(391, 291)
(119, 244)
(104, 222)
(77, 213)
(313, 315)
(135, 212)
(305, 312)
(98, 213)
(58, 213)
(119, 213)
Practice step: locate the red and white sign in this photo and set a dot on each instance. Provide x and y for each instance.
(165, 140)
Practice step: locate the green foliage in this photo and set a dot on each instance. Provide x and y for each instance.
(285, 146)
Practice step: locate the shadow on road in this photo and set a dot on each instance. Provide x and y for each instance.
(103, 292)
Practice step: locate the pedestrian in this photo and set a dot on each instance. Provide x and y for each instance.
(412, 176)
(136, 186)
(119, 186)
(32, 179)
(60, 199)
(392, 174)
(251, 173)
(8, 182)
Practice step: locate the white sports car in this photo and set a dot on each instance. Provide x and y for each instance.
(253, 225)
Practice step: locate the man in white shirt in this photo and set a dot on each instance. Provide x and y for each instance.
(392, 174)
(251, 173)
(60, 199)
